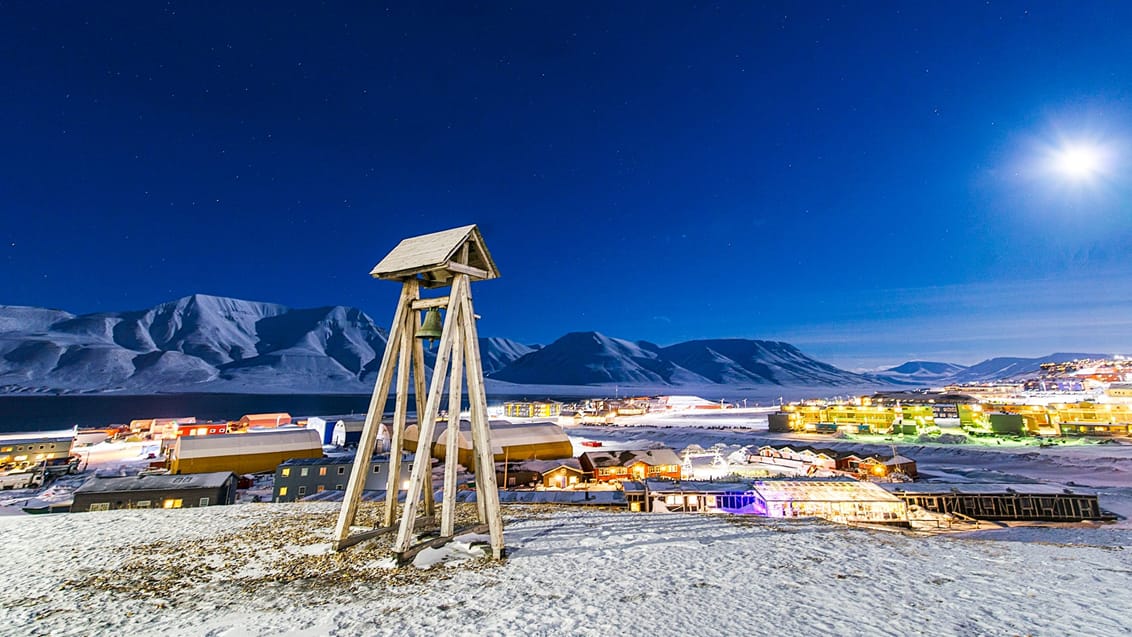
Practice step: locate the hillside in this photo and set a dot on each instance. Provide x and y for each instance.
(921, 373)
(1005, 367)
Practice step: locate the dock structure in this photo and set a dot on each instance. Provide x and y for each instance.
(453, 259)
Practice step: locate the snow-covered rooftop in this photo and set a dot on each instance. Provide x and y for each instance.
(155, 482)
(259, 442)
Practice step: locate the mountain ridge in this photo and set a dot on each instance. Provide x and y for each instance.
(205, 343)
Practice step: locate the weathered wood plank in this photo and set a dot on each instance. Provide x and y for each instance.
(451, 448)
(422, 463)
(360, 470)
(406, 556)
(424, 304)
(362, 536)
(486, 487)
(400, 410)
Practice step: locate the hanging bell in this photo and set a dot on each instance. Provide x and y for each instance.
(432, 325)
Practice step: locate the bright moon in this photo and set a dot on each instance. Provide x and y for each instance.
(1078, 162)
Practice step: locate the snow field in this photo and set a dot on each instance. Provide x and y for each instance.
(263, 570)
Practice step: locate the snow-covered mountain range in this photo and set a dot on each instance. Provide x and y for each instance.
(586, 358)
(204, 343)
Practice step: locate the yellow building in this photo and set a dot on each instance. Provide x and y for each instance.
(243, 453)
(860, 418)
(532, 409)
(510, 441)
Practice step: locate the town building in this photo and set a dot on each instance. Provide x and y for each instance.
(566, 474)
(511, 441)
(155, 492)
(298, 478)
(159, 427)
(532, 409)
(25, 449)
(263, 421)
(630, 464)
(839, 499)
(242, 453)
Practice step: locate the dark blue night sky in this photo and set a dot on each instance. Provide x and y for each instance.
(875, 182)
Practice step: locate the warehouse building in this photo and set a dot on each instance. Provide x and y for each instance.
(242, 453)
(156, 492)
(510, 441)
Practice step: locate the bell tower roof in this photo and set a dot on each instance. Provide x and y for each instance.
(436, 257)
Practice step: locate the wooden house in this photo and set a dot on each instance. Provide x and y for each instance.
(242, 453)
(881, 466)
(630, 464)
(566, 474)
(156, 492)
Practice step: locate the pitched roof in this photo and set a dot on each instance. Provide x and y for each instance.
(626, 457)
(433, 251)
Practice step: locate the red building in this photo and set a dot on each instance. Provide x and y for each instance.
(630, 464)
(202, 428)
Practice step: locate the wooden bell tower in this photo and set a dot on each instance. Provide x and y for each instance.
(453, 259)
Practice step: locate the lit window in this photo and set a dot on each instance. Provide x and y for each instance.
(282, 491)
(172, 503)
(322, 471)
(286, 472)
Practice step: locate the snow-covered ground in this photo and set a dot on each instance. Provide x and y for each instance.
(265, 570)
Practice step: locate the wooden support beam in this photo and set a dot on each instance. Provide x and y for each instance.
(362, 536)
(474, 272)
(419, 393)
(451, 448)
(422, 463)
(400, 410)
(360, 470)
(486, 487)
(407, 556)
(424, 304)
